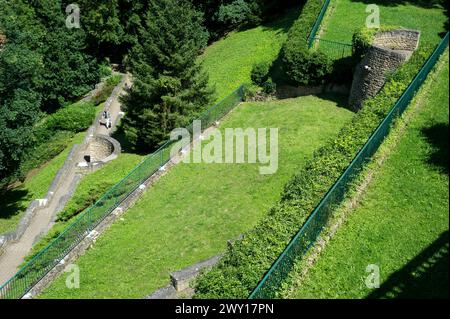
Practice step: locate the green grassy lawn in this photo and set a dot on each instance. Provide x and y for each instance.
(190, 213)
(229, 61)
(350, 15)
(401, 224)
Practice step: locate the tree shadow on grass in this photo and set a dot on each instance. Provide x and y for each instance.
(425, 276)
(12, 202)
(437, 136)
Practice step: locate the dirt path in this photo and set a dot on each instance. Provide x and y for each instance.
(14, 253)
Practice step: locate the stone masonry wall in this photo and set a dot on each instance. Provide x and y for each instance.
(388, 52)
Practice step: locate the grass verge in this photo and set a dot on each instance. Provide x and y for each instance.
(401, 222)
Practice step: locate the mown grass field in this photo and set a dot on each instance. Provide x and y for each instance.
(401, 223)
(229, 61)
(350, 15)
(190, 213)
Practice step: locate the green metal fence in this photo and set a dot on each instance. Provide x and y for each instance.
(50, 256)
(335, 50)
(309, 232)
(317, 24)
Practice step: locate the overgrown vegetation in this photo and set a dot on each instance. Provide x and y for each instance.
(245, 263)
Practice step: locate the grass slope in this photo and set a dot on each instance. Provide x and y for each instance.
(192, 211)
(350, 15)
(229, 61)
(402, 221)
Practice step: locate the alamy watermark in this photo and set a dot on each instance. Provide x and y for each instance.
(73, 278)
(73, 16)
(236, 145)
(373, 279)
(373, 19)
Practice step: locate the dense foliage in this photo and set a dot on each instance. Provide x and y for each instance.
(302, 65)
(245, 263)
(169, 86)
(43, 66)
(224, 15)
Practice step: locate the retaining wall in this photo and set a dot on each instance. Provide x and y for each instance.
(389, 51)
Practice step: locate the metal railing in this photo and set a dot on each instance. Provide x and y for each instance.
(313, 226)
(335, 50)
(44, 261)
(316, 26)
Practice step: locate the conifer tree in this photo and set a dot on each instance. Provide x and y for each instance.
(169, 86)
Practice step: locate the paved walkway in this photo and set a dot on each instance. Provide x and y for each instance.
(14, 253)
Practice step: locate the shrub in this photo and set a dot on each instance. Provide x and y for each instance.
(363, 38)
(73, 118)
(302, 65)
(245, 263)
(235, 13)
(269, 86)
(250, 91)
(260, 73)
(109, 85)
(306, 67)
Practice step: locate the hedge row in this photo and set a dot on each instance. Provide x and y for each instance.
(302, 65)
(245, 263)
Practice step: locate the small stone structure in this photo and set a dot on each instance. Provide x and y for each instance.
(100, 149)
(390, 49)
(181, 280)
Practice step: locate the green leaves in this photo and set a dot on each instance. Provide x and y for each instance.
(302, 65)
(170, 88)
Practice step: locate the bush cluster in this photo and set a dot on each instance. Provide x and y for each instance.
(247, 260)
(261, 78)
(302, 65)
(260, 73)
(363, 38)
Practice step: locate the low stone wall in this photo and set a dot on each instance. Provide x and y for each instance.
(389, 51)
(102, 149)
(289, 92)
(401, 39)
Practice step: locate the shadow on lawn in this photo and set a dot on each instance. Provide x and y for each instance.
(437, 136)
(11, 202)
(425, 276)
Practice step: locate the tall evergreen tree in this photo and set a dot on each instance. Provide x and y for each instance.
(169, 86)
